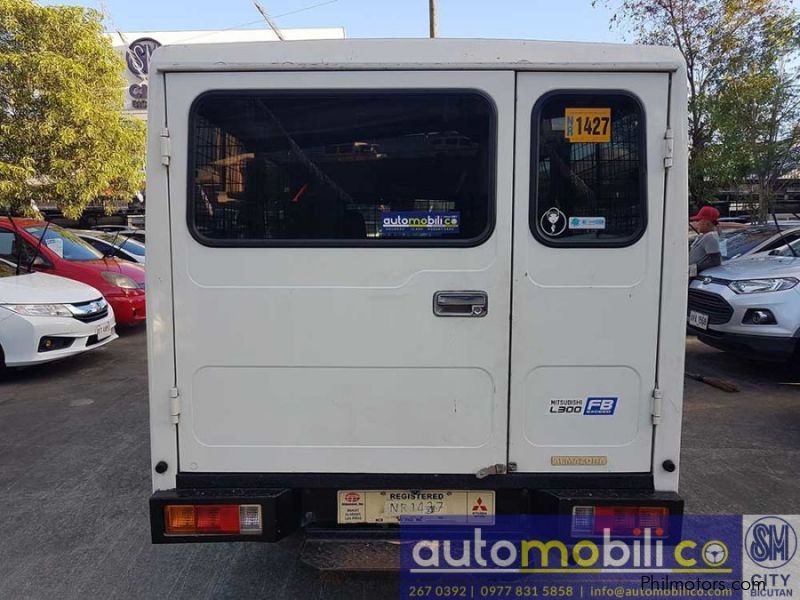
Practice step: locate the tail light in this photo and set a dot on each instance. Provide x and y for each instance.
(212, 519)
(624, 521)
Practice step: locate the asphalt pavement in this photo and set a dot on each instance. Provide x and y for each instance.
(74, 482)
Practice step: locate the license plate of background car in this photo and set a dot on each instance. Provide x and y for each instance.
(697, 319)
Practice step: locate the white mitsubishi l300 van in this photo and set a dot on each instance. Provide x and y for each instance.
(397, 277)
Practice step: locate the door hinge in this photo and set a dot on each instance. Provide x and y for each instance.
(669, 147)
(174, 406)
(166, 146)
(498, 469)
(657, 405)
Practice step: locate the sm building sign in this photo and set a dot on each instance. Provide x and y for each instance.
(137, 59)
(137, 48)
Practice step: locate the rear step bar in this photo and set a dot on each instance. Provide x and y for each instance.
(365, 550)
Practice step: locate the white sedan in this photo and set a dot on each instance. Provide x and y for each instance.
(44, 317)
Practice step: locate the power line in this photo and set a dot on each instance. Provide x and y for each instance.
(239, 26)
(299, 10)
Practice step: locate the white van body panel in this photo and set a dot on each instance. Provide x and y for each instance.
(335, 351)
(585, 320)
(350, 386)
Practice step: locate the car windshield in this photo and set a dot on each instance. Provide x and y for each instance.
(739, 242)
(122, 241)
(64, 243)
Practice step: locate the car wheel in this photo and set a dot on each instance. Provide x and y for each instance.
(2, 361)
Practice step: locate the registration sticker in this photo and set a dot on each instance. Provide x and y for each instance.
(388, 506)
(56, 245)
(587, 125)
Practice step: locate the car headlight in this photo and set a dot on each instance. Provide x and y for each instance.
(755, 286)
(40, 310)
(119, 280)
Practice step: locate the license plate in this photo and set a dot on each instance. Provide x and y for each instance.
(697, 319)
(103, 331)
(388, 506)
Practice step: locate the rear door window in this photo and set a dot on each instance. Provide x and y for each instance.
(588, 172)
(341, 168)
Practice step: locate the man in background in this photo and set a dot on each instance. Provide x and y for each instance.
(704, 252)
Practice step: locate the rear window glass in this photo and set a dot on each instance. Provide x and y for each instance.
(342, 168)
(588, 170)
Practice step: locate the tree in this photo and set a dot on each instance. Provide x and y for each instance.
(757, 112)
(714, 36)
(63, 136)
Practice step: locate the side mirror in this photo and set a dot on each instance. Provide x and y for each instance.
(776, 252)
(42, 263)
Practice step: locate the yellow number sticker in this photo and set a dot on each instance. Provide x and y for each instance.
(587, 124)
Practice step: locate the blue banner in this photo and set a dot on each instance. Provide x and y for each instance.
(596, 553)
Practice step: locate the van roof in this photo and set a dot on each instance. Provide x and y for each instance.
(416, 54)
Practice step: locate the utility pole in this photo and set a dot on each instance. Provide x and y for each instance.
(434, 24)
(269, 21)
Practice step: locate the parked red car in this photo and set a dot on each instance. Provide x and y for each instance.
(63, 253)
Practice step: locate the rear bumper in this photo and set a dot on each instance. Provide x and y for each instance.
(129, 310)
(311, 499)
(756, 346)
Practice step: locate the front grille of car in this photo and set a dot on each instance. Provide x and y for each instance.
(711, 304)
(90, 311)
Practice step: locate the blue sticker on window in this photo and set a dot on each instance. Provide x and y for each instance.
(596, 405)
(419, 223)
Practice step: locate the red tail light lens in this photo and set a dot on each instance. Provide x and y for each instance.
(625, 521)
(621, 520)
(214, 518)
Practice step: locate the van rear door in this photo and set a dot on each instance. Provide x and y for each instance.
(589, 193)
(341, 249)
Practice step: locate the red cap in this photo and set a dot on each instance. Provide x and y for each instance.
(707, 213)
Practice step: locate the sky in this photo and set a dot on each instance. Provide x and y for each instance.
(528, 19)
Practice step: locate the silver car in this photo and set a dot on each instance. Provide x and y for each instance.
(736, 244)
(751, 306)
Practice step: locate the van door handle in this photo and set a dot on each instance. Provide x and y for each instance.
(460, 304)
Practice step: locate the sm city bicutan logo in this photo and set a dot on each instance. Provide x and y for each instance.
(641, 554)
(770, 542)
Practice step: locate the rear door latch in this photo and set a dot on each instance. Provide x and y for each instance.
(498, 469)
